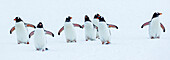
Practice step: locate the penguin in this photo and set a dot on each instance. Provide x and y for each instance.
(104, 31)
(90, 29)
(154, 26)
(21, 30)
(95, 22)
(40, 40)
(69, 30)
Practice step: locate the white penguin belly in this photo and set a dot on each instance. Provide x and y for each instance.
(104, 31)
(89, 30)
(40, 38)
(21, 31)
(69, 30)
(154, 28)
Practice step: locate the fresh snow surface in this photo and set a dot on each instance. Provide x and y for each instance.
(129, 42)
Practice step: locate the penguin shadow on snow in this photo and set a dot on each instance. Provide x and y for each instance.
(70, 32)
(40, 40)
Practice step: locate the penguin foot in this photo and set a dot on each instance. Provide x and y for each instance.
(152, 37)
(97, 37)
(74, 40)
(108, 42)
(86, 39)
(43, 50)
(103, 42)
(68, 41)
(38, 49)
(19, 43)
(158, 37)
(28, 43)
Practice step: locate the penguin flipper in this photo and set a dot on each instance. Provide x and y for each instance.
(162, 26)
(12, 29)
(147, 23)
(49, 33)
(112, 26)
(32, 33)
(60, 30)
(30, 25)
(77, 25)
(82, 26)
(95, 27)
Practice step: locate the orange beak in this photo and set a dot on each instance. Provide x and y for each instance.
(160, 13)
(97, 18)
(70, 17)
(14, 19)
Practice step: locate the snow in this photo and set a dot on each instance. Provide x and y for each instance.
(129, 42)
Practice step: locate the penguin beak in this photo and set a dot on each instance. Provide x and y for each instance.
(97, 18)
(160, 13)
(14, 19)
(70, 17)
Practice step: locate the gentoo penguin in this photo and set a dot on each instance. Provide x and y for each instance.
(21, 30)
(69, 30)
(104, 30)
(155, 26)
(40, 40)
(90, 29)
(96, 22)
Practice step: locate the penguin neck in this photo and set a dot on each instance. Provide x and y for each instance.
(39, 29)
(156, 20)
(68, 24)
(19, 24)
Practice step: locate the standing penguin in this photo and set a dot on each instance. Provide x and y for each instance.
(96, 22)
(155, 26)
(21, 30)
(40, 41)
(90, 29)
(104, 31)
(69, 30)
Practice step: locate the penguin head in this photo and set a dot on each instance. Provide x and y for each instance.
(101, 19)
(18, 19)
(40, 25)
(96, 16)
(156, 14)
(68, 19)
(87, 18)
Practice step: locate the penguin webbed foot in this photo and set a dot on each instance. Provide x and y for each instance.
(39, 49)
